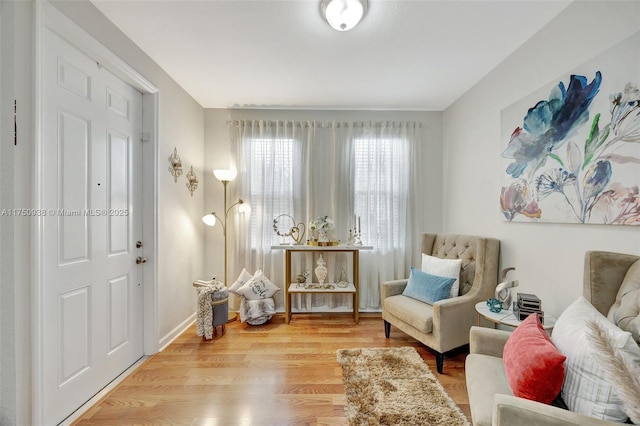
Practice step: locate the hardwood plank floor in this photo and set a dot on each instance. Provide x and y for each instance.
(273, 374)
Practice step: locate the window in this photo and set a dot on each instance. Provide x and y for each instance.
(381, 184)
(271, 167)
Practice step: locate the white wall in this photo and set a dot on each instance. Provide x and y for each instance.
(15, 184)
(180, 240)
(218, 154)
(548, 257)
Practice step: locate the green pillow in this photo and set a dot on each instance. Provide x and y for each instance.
(427, 288)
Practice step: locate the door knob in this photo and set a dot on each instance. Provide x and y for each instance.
(140, 260)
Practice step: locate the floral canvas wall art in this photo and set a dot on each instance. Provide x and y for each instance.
(571, 151)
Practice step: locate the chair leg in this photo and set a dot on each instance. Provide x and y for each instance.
(439, 362)
(387, 329)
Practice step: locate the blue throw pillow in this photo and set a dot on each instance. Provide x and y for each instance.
(426, 287)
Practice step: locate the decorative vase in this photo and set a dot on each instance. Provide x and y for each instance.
(321, 270)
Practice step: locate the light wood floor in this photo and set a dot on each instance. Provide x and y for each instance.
(273, 374)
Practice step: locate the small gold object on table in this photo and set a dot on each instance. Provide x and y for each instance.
(322, 243)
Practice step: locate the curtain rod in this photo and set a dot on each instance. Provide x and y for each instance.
(329, 124)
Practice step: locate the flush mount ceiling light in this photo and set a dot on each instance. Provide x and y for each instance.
(343, 15)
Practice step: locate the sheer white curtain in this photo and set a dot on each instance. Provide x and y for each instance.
(343, 170)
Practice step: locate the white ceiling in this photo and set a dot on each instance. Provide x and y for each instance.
(404, 55)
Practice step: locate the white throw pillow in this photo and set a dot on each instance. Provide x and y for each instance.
(242, 279)
(258, 287)
(587, 388)
(449, 268)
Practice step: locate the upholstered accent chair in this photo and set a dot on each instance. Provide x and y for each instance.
(445, 325)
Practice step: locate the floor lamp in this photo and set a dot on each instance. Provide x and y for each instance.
(224, 176)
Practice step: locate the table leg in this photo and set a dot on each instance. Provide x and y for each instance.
(356, 283)
(287, 280)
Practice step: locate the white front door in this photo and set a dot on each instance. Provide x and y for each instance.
(92, 286)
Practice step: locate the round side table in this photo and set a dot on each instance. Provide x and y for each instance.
(507, 317)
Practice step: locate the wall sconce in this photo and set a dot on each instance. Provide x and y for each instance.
(192, 181)
(176, 165)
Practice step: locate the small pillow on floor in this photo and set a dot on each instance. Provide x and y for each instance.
(242, 280)
(532, 364)
(258, 287)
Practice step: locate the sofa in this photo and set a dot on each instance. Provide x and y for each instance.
(490, 396)
(444, 325)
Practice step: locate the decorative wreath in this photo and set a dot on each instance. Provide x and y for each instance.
(296, 230)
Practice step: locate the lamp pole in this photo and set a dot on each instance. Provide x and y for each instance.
(224, 226)
(225, 177)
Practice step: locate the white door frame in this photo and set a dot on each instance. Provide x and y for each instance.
(46, 15)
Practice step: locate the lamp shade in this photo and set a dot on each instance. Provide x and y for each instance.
(210, 219)
(343, 15)
(225, 175)
(244, 208)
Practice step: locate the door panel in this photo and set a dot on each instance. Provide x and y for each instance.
(118, 192)
(73, 150)
(73, 79)
(118, 313)
(74, 347)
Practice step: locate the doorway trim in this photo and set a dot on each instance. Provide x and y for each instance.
(47, 16)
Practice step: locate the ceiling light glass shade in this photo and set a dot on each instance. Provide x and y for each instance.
(343, 15)
(209, 220)
(225, 175)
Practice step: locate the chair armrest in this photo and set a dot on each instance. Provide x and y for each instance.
(510, 410)
(452, 319)
(392, 288)
(487, 341)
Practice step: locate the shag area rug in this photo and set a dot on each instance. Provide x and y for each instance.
(394, 386)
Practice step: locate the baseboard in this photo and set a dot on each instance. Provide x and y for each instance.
(173, 334)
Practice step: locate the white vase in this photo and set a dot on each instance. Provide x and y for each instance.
(321, 270)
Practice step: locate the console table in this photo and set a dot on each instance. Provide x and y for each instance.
(291, 287)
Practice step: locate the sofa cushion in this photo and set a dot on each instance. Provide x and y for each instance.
(625, 311)
(485, 377)
(587, 388)
(427, 288)
(449, 268)
(410, 311)
(532, 364)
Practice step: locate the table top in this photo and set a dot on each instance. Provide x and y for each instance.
(507, 316)
(304, 247)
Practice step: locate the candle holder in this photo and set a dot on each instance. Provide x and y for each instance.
(354, 238)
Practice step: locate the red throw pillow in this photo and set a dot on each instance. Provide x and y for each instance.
(532, 364)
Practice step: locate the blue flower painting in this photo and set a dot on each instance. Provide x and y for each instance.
(563, 164)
